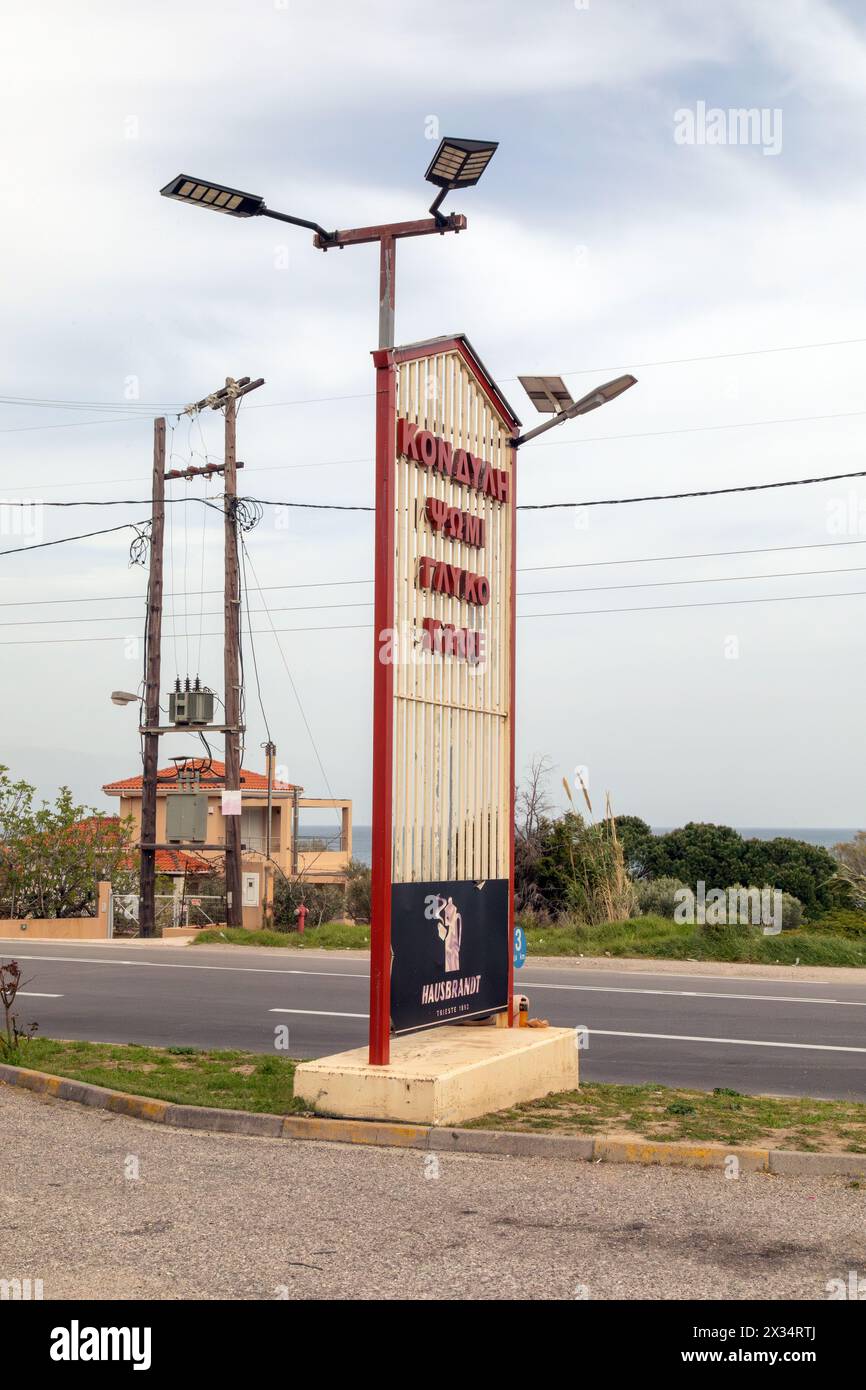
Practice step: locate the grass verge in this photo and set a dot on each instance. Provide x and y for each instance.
(185, 1075)
(668, 1114)
(249, 1081)
(656, 938)
(333, 936)
(662, 939)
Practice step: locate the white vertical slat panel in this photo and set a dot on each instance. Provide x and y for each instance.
(452, 736)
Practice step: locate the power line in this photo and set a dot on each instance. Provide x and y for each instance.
(677, 496)
(85, 535)
(172, 407)
(522, 593)
(709, 357)
(521, 569)
(586, 439)
(295, 690)
(675, 583)
(671, 607)
(246, 597)
(75, 424)
(182, 616)
(522, 617)
(659, 559)
(53, 403)
(117, 598)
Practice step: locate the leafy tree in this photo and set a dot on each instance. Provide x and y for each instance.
(325, 902)
(532, 809)
(719, 856)
(807, 872)
(358, 891)
(52, 856)
(635, 835)
(851, 859)
(697, 851)
(581, 870)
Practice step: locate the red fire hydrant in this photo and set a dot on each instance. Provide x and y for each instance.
(301, 914)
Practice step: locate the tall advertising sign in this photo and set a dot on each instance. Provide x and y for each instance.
(443, 742)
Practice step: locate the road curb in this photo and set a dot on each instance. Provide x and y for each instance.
(507, 1144)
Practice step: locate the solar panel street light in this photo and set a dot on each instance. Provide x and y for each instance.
(215, 196)
(220, 198)
(549, 394)
(458, 163)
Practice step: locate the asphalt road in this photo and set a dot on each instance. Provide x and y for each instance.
(758, 1036)
(100, 1206)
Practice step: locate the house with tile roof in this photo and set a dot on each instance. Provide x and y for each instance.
(320, 858)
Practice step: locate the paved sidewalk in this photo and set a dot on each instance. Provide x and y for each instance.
(215, 1216)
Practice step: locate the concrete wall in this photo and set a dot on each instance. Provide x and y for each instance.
(60, 928)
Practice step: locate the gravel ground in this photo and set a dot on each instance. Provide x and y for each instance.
(220, 1216)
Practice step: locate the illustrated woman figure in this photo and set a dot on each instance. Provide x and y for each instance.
(450, 931)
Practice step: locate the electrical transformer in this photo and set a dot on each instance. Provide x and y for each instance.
(186, 818)
(191, 706)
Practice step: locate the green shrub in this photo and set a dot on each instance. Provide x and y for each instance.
(842, 921)
(716, 854)
(657, 897)
(358, 887)
(324, 901)
(792, 912)
(531, 918)
(792, 908)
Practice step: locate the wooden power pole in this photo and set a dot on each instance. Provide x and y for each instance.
(231, 661)
(147, 880)
(223, 399)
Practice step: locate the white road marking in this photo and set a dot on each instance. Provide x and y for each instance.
(739, 1042)
(705, 994)
(35, 994)
(178, 965)
(320, 1013)
(364, 977)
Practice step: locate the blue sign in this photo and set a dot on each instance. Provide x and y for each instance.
(519, 947)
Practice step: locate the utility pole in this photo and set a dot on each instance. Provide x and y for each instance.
(232, 691)
(270, 759)
(147, 879)
(151, 730)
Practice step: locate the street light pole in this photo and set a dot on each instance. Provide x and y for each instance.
(387, 235)
(387, 290)
(457, 163)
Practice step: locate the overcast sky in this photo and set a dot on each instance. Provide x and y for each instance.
(607, 234)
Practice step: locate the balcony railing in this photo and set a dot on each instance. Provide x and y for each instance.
(306, 844)
(318, 844)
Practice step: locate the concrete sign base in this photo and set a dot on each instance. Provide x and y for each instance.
(443, 1077)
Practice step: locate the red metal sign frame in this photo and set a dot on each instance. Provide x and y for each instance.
(385, 362)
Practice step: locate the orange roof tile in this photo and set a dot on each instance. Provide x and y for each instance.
(168, 861)
(213, 774)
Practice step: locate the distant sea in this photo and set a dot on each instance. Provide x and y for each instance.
(813, 835)
(820, 835)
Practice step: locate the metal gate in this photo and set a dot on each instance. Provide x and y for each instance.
(123, 913)
(203, 910)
